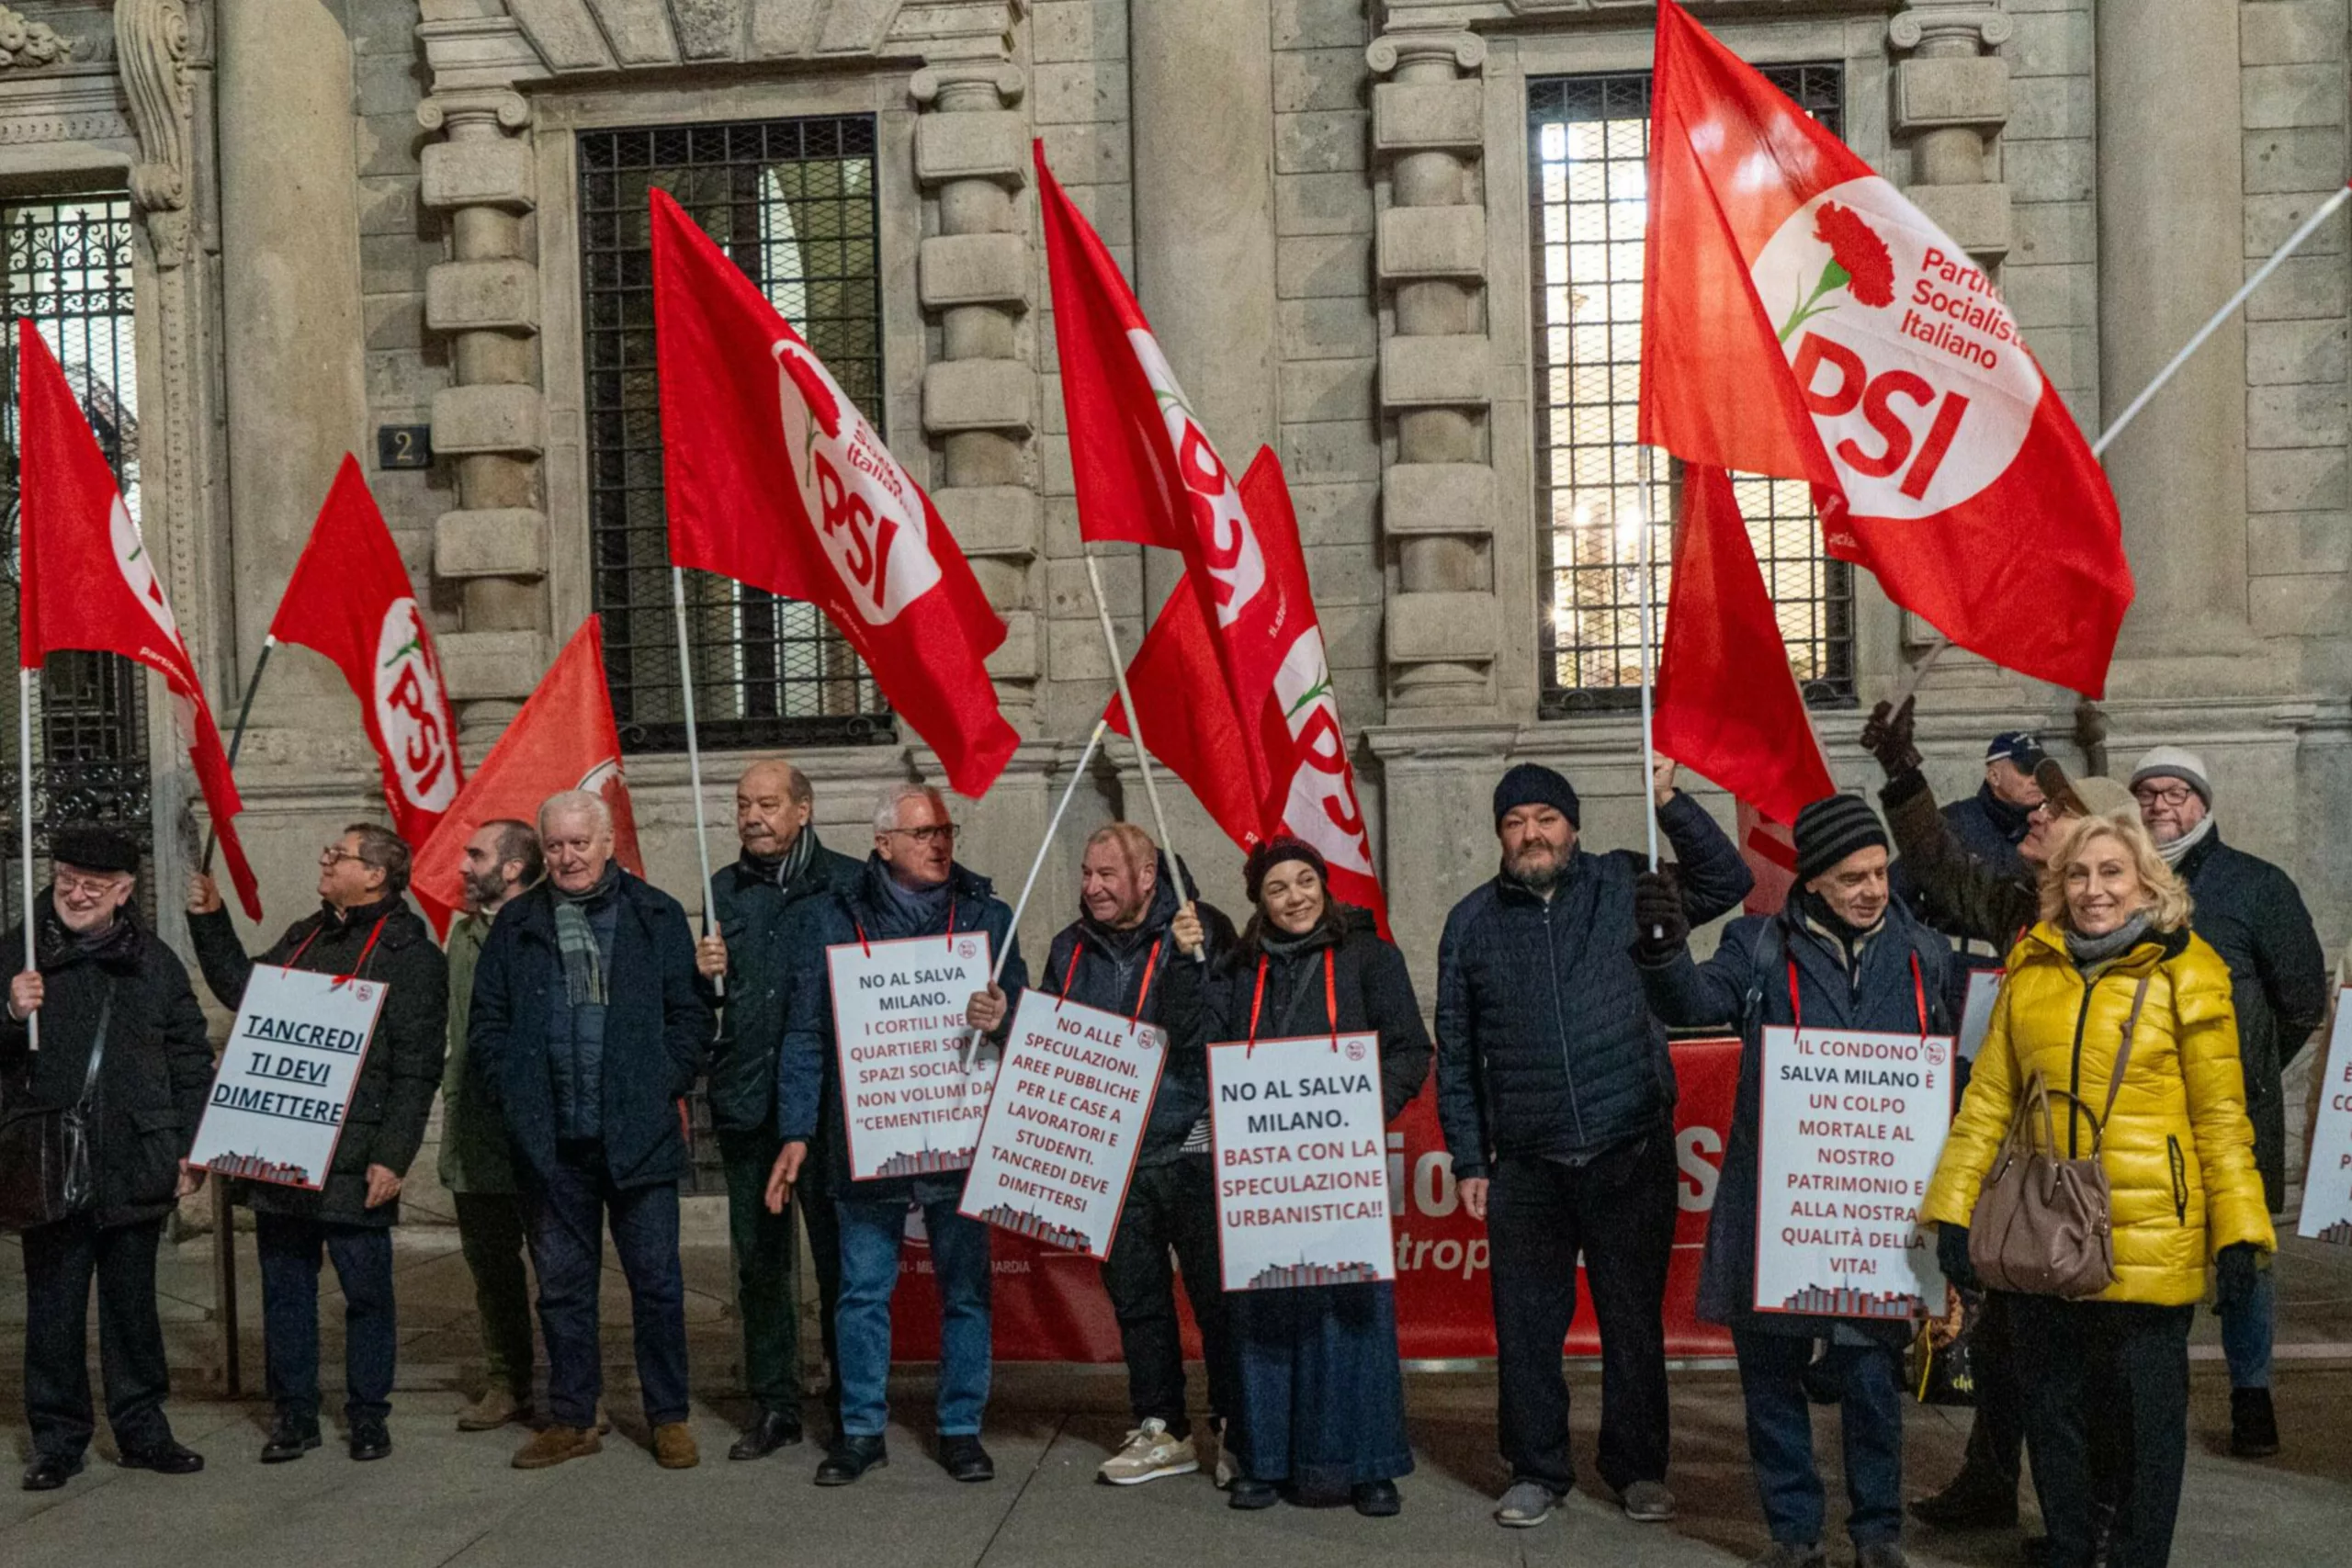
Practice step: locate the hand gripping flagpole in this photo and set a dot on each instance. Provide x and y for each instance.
(2310, 226)
(1134, 733)
(25, 828)
(693, 752)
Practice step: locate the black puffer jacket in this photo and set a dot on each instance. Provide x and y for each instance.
(156, 1069)
(1111, 970)
(394, 1095)
(1546, 1044)
(752, 907)
(1367, 978)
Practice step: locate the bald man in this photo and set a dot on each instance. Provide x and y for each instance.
(781, 864)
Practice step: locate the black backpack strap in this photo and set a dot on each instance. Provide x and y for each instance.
(98, 1043)
(1770, 950)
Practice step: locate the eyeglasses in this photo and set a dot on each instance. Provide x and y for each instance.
(936, 833)
(2156, 795)
(334, 854)
(87, 886)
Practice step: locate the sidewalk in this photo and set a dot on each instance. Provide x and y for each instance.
(448, 1498)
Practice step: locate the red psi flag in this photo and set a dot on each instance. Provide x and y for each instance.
(351, 601)
(1802, 319)
(563, 738)
(1727, 705)
(776, 479)
(1769, 849)
(87, 583)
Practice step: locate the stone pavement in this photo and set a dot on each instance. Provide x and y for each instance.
(448, 1498)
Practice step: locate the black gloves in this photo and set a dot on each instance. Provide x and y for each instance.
(1951, 1257)
(1887, 737)
(2234, 1273)
(1661, 925)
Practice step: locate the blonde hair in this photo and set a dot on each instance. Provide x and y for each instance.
(2169, 906)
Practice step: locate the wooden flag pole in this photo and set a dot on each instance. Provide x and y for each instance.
(1134, 733)
(25, 827)
(693, 752)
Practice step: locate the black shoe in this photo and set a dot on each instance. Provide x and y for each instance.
(1376, 1499)
(166, 1458)
(2253, 1425)
(46, 1473)
(290, 1440)
(964, 1459)
(773, 1429)
(1252, 1495)
(851, 1458)
(1974, 1501)
(369, 1440)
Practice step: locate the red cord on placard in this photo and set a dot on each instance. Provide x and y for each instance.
(1918, 994)
(357, 969)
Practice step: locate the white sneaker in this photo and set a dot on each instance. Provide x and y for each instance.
(1150, 1453)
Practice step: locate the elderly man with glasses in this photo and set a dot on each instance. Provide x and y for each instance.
(911, 885)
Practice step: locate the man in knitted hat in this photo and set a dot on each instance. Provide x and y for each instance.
(1853, 958)
(2250, 911)
(1556, 1095)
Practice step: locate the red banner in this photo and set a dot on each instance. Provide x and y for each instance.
(1049, 1304)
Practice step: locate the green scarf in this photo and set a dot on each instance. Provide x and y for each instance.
(575, 938)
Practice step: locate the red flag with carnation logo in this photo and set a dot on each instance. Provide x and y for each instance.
(87, 583)
(1801, 317)
(351, 601)
(775, 479)
(564, 738)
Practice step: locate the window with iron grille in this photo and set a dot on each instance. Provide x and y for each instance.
(792, 202)
(1596, 487)
(69, 270)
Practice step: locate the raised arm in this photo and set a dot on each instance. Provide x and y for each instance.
(1714, 878)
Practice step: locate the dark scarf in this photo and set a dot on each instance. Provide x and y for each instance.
(2012, 820)
(114, 945)
(2090, 953)
(783, 870)
(1846, 942)
(917, 907)
(575, 938)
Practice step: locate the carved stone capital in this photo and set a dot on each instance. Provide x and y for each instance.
(968, 85)
(1979, 25)
(150, 39)
(465, 108)
(1390, 51)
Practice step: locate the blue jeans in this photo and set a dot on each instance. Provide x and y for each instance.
(1780, 1436)
(2247, 1325)
(959, 1260)
(290, 1247)
(568, 1208)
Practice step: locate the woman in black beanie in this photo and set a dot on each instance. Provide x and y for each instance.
(1322, 1398)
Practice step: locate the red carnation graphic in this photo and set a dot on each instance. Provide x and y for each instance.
(813, 390)
(1858, 263)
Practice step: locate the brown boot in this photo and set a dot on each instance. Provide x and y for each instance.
(494, 1409)
(553, 1445)
(673, 1447)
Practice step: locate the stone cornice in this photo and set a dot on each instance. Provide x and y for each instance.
(1441, 16)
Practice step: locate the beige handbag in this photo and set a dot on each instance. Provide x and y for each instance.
(2041, 1223)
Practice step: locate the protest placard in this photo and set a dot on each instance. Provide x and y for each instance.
(2327, 1179)
(276, 1109)
(914, 1084)
(1850, 1127)
(1976, 1010)
(1301, 1155)
(1064, 1127)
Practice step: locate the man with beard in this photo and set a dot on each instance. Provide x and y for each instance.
(1556, 1095)
(1139, 949)
(477, 1164)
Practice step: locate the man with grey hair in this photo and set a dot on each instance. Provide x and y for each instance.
(911, 886)
(588, 1027)
(782, 866)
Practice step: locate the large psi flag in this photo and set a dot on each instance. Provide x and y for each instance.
(775, 479)
(1800, 317)
(87, 582)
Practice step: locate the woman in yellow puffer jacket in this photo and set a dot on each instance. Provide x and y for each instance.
(2109, 1374)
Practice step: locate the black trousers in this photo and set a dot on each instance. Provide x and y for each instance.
(2106, 1419)
(1170, 1209)
(1618, 1211)
(1995, 1440)
(290, 1245)
(60, 1263)
(813, 1196)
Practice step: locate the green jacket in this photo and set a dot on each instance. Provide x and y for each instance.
(475, 1155)
(750, 910)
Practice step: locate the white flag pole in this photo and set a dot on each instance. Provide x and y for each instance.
(1053, 827)
(1649, 751)
(25, 826)
(693, 752)
(1134, 733)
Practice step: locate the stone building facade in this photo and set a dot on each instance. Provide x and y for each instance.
(1369, 234)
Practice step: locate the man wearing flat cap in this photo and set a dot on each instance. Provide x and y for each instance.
(1556, 1095)
(122, 1032)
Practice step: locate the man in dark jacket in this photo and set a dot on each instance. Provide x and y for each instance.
(1556, 1087)
(911, 886)
(589, 1025)
(1858, 962)
(364, 927)
(781, 864)
(120, 1028)
(1139, 949)
(2251, 912)
(1989, 823)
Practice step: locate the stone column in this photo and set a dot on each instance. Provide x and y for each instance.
(2171, 245)
(491, 420)
(1436, 371)
(972, 155)
(289, 296)
(1950, 98)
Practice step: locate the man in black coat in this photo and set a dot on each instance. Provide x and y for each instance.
(1556, 1095)
(119, 1027)
(1140, 949)
(589, 1026)
(1840, 955)
(364, 927)
(781, 864)
(2251, 912)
